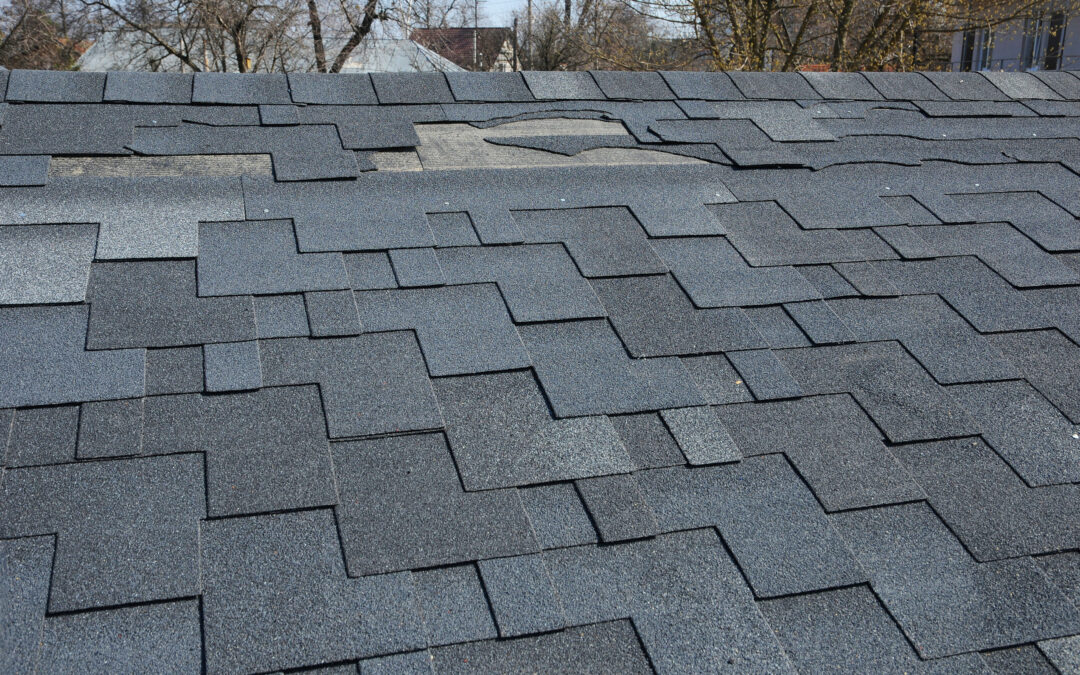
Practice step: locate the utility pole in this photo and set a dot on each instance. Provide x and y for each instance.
(475, 30)
(517, 64)
(528, 35)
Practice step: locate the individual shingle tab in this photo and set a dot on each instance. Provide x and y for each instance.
(1051, 226)
(139, 217)
(415, 267)
(453, 604)
(494, 87)
(653, 317)
(452, 229)
(41, 436)
(250, 625)
(648, 441)
(557, 516)
(764, 374)
(110, 428)
(127, 529)
(232, 366)
(714, 275)
(155, 304)
(1064, 653)
(1065, 84)
(897, 393)
(770, 521)
(904, 86)
(332, 88)
(369, 271)
(773, 85)
(618, 507)
(281, 316)
(966, 86)
(45, 263)
(1020, 85)
(767, 236)
(1025, 429)
(833, 445)
(25, 565)
(701, 435)
(689, 604)
(778, 329)
(411, 88)
(819, 322)
(43, 361)
(371, 384)
(260, 257)
(632, 85)
(135, 87)
(848, 86)
(559, 85)
(251, 88)
(332, 313)
(945, 602)
(334, 216)
(846, 630)
(603, 242)
(298, 153)
(987, 506)
(24, 170)
(700, 85)
(606, 647)
(538, 282)
(519, 443)
(934, 334)
(174, 370)
(461, 329)
(402, 506)
(1050, 362)
(717, 379)
(52, 86)
(584, 371)
(158, 637)
(522, 596)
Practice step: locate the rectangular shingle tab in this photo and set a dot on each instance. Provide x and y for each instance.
(136, 87)
(251, 89)
(52, 86)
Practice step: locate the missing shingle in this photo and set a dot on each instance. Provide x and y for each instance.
(167, 166)
(450, 146)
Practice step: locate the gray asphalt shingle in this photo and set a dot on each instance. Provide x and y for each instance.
(540, 372)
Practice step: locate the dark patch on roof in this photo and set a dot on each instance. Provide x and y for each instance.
(629, 372)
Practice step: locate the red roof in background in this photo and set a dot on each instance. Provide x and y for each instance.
(456, 44)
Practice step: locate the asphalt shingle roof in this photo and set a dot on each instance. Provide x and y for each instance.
(586, 372)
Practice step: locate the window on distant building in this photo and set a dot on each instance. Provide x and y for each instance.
(1054, 40)
(1034, 44)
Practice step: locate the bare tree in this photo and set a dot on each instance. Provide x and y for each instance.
(838, 34)
(243, 35)
(42, 34)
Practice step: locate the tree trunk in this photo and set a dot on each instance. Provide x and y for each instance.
(316, 36)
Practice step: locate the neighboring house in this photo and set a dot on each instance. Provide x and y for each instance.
(1050, 41)
(129, 51)
(489, 49)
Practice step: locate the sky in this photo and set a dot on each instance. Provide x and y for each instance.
(499, 12)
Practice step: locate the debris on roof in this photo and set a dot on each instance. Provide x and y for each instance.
(590, 372)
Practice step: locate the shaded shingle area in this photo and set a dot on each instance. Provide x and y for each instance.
(520, 372)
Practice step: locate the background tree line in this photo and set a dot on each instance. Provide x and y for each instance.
(321, 35)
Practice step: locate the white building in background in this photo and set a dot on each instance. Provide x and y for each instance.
(1049, 41)
(126, 51)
